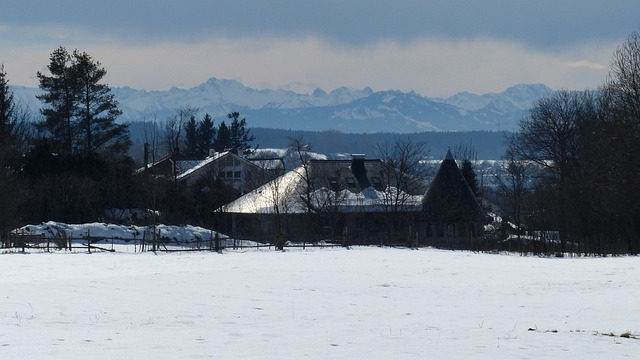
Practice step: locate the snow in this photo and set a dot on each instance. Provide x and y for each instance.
(197, 165)
(285, 190)
(173, 233)
(362, 303)
(263, 199)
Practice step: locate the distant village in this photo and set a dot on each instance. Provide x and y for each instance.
(566, 183)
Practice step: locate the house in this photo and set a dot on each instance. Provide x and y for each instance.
(242, 174)
(328, 200)
(451, 215)
(167, 166)
(360, 201)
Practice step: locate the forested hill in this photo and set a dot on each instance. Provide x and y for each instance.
(488, 144)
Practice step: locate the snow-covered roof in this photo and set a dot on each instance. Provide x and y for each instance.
(268, 163)
(287, 194)
(186, 172)
(263, 199)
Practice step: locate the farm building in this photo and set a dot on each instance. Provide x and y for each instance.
(358, 201)
(234, 170)
(451, 215)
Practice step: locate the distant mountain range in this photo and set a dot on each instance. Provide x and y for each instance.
(346, 110)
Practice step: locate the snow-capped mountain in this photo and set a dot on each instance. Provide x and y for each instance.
(516, 97)
(344, 109)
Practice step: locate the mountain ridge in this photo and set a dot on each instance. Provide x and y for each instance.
(344, 109)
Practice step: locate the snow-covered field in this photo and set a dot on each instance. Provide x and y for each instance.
(363, 303)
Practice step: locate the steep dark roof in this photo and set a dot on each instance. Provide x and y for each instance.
(449, 198)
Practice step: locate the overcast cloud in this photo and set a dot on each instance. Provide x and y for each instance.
(435, 48)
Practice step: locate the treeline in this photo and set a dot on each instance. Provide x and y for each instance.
(588, 142)
(72, 161)
(490, 145)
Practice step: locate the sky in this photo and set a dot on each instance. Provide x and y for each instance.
(433, 47)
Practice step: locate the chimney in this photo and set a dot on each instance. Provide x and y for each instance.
(359, 171)
(357, 164)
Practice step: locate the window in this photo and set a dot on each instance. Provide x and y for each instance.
(351, 182)
(377, 182)
(333, 183)
(236, 174)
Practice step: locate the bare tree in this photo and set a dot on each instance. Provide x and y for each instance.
(175, 126)
(512, 187)
(330, 200)
(280, 197)
(304, 194)
(150, 184)
(620, 129)
(402, 173)
(624, 76)
(548, 136)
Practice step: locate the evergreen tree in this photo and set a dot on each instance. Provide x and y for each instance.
(7, 106)
(97, 109)
(223, 138)
(10, 186)
(81, 112)
(191, 138)
(470, 176)
(206, 135)
(79, 166)
(240, 137)
(467, 153)
(61, 96)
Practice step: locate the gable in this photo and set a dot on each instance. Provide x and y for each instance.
(449, 198)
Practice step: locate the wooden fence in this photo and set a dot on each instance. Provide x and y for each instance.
(22, 242)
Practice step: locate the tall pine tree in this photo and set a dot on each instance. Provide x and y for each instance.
(470, 176)
(7, 106)
(60, 95)
(10, 186)
(223, 138)
(206, 135)
(80, 111)
(97, 109)
(240, 137)
(191, 138)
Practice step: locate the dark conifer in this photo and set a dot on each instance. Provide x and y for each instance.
(7, 106)
(470, 176)
(240, 137)
(80, 112)
(191, 138)
(223, 138)
(206, 135)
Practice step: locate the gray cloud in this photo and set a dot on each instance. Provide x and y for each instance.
(545, 24)
(434, 47)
